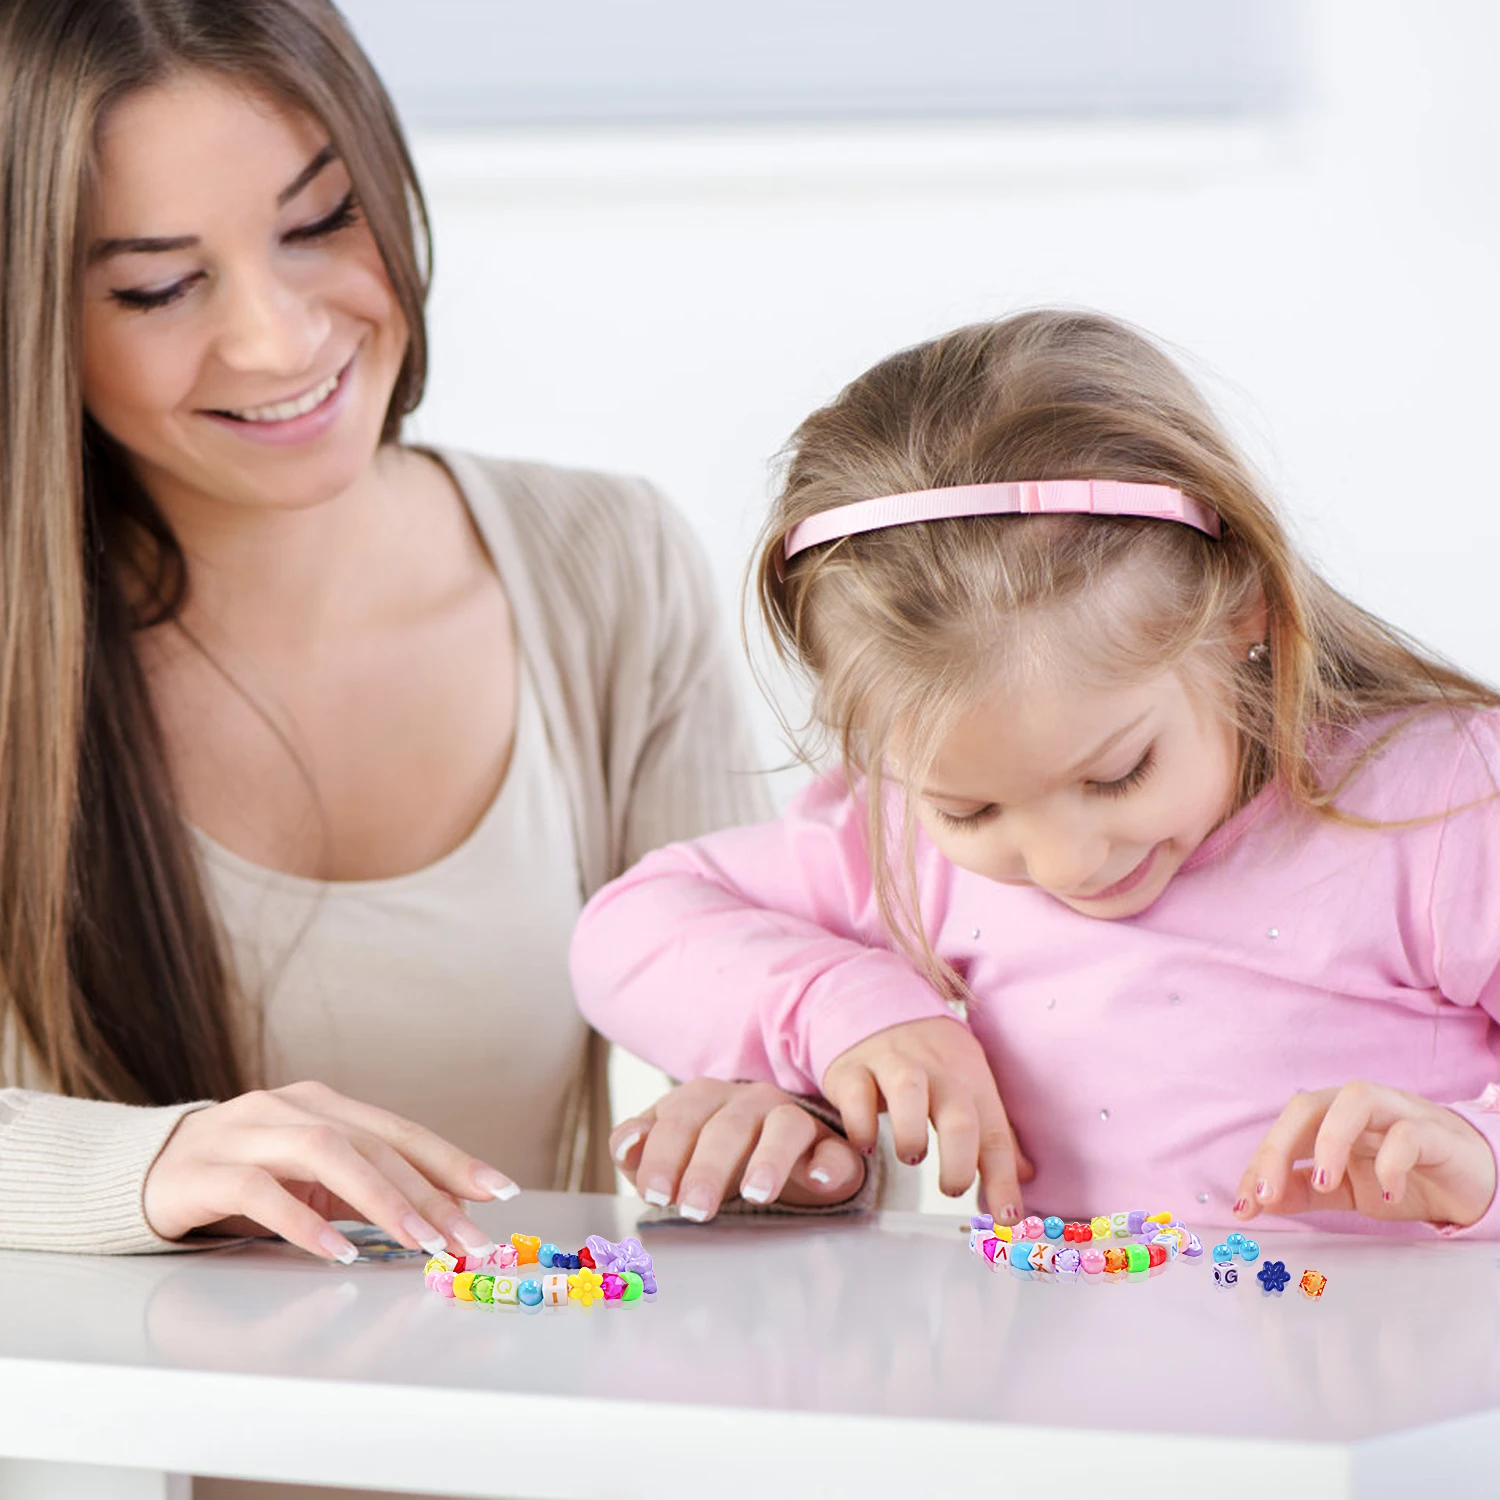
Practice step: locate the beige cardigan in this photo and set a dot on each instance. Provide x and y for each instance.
(613, 605)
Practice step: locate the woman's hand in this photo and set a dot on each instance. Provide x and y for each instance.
(707, 1139)
(285, 1161)
(935, 1070)
(1386, 1153)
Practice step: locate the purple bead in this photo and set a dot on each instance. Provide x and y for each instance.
(648, 1282)
(982, 1221)
(1194, 1247)
(1067, 1262)
(1135, 1218)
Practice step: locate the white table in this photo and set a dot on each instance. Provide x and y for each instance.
(871, 1357)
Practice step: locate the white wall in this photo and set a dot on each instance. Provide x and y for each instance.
(674, 304)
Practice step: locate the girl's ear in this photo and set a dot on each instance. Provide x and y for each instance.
(1252, 630)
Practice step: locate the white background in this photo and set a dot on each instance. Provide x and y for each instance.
(672, 303)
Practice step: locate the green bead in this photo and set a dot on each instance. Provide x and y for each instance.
(484, 1288)
(1137, 1258)
(632, 1292)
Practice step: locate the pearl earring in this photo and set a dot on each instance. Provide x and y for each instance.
(1258, 653)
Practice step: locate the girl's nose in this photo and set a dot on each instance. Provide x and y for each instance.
(1063, 860)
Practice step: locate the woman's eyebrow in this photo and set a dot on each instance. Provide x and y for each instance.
(158, 244)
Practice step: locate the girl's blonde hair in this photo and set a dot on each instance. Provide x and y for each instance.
(901, 630)
(111, 972)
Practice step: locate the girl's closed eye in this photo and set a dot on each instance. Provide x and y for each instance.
(147, 299)
(966, 820)
(1128, 782)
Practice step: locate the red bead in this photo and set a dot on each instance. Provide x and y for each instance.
(1158, 1254)
(1079, 1234)
(586, 1258)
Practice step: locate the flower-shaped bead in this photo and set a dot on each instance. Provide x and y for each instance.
(1273, 1276)
(586, 1287)
(628, 1255)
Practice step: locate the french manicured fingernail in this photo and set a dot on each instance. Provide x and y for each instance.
(658, 1192)
(756, 1188)
(691, 1208)
(821, 1175)
(623, 1149)
(422, 1232)
(1240, 1205)
(1320, 1178)
(1261, 1189)
(340, 1248)
(496, 1184)
(473, 1238)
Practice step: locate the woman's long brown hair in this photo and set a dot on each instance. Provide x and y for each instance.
(112, 970)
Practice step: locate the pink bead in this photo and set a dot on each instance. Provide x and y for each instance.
(442, 1283)
(613, 1286)
(1030, 1229)
(505, 1258)
(1091, 1259)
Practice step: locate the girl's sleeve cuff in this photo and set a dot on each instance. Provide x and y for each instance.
(1483, 1114)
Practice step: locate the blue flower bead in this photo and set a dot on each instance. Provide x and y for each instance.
(1273, 1276)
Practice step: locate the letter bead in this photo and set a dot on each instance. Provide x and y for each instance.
(1225, 1274)
(504, 1294)
(555, 1290)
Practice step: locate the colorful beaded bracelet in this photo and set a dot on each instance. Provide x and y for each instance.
(602, 1271)
(1066, 1249)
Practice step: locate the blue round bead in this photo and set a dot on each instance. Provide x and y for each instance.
(1052, 1227)
(1234, 1241)
(547, 1255)
(1222, 1254)
(530, 1292)
(1249, 1249)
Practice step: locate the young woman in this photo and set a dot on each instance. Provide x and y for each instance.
(311, 745)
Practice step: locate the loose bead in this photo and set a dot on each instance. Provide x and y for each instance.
(1312, 1284)
(1223, 1253)
(1225, 1275)
(1249, 1250)
(1235, 1240)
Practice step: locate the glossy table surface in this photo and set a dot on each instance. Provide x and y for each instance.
(873, 1353)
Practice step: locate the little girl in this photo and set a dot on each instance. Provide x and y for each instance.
(1201, 855)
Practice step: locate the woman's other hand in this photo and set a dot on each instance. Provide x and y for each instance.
(706, 1140)
(287, 1161)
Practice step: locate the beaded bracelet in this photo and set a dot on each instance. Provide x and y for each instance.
(602, 1271)
(1066, 1249)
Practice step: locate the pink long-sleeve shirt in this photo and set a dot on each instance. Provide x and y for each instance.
(1142, 1060)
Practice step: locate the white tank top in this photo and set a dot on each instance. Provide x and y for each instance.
(442, 994)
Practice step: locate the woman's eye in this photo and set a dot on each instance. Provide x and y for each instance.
(1130, 780)
(342, 217)
(144, 299)
(966, 820)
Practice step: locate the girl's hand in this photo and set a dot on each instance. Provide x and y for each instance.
(285, 1161)
(1386, 1153)
(935, 1070)
(706, 1139)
